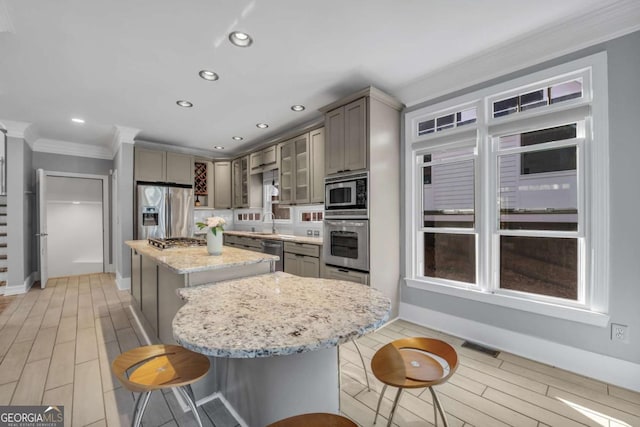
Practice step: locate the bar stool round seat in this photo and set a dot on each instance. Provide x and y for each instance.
(414, 363)
(315, 420)
(156, 367)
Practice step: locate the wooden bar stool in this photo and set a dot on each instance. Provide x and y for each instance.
(155, 367)
(315, 420)
(414, 363)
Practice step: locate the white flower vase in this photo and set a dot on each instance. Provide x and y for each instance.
(214, 242)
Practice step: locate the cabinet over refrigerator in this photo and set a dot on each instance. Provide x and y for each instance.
(164, 211)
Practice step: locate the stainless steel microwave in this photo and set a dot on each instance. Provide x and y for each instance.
(347, 195)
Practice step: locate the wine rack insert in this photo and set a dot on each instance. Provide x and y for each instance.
(200, 179)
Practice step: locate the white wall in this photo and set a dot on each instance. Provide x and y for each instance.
(75, 238)
(74, 224)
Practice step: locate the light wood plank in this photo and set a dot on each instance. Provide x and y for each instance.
(13, 362)
(61, 396)
(67, 329)
(88, 405)
(359, 412)
(29, 330)
(31, 385)
(100, 423)
(623, 393)
(43, 344)
(580, 403)
(85, 318)
(127, 339)
(119, 319)
(86, 345)
(118, 405)
(104, 330)
(6, 392)
(107, 353)
(62, 365)
(52, 317)
(504, 375)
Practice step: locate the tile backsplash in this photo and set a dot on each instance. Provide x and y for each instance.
(305, 220)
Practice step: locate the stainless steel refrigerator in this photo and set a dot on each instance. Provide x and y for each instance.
(164, 211)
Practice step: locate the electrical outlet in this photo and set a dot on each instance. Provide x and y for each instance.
(620, 333)
(316, 233)
(309, 232)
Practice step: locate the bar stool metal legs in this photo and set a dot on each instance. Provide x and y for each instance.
(138, 410)
(438, 405)
(187, 393)
(384, 388)
(366, 376)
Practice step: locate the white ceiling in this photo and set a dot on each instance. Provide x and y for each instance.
(126, 63)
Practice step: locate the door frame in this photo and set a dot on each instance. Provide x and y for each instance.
(107, 265)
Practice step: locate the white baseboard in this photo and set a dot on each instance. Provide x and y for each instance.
(614, 371)
(123, 283)
(23, 288)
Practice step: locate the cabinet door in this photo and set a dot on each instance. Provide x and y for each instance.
(179, 168)
(316, 165)
(269, 158)
(355, 143)
(286, 171)
(136, 284)
(334, 143)
(244, 181)
(256, 162)
(291, 265)
(301, 167)
(309, 266)
(149, 299)
(222, 185)
(236, 187)
(150, 165)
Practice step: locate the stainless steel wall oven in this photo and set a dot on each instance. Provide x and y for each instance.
(346, 243)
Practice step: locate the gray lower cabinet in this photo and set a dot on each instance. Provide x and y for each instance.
(337, 273)
(302, 259)
(168, 302)
(136, 278)
(149, 302)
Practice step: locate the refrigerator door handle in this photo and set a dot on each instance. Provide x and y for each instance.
(168, 199)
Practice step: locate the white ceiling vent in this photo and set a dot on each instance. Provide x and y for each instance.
(6, 24)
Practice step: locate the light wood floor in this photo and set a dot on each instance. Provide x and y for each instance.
(486, 391)
(56, 346)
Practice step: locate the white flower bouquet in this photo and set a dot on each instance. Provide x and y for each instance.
(215, 223)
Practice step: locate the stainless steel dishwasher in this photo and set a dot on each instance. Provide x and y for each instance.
(275, 247)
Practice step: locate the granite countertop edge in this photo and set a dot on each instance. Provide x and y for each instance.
(285, 238)
(195, 256)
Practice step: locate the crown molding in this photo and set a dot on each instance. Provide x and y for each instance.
(207, 154)
(590, 28)
(122, 135)
(14, 128)
(67, 148)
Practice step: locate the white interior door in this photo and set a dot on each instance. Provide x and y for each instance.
(41, 184)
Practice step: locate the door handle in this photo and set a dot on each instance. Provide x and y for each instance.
(41, 234)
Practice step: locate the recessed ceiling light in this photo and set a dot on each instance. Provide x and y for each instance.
(262, 125)
(217, 147)
(240, 39)
(77, 120)
(209, 75)
(237, 138)
(185, 104)
(297, 107)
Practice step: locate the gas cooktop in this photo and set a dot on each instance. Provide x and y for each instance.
(176, 242)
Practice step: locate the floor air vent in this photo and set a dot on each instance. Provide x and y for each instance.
(482, 349)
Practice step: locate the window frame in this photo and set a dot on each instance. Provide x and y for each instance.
(593, 187)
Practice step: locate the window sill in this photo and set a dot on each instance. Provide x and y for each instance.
(543, 308)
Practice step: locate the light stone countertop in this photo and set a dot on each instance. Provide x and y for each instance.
(276, 314)
(196, 258)
(283, 237)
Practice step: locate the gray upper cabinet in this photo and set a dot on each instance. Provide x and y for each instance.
(317, 158)
(222, 185)
(179, 168)
(246, 188)
(162, 166)
(346, 139)
(294, 170)
(264, 160)
(150, 165)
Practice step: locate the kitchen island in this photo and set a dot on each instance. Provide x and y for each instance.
(273, 340)
(156, 274)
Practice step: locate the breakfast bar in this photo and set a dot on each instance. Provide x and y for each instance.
(156, 274)
(273, 340)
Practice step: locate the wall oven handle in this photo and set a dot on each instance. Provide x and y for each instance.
(344, 223)
(342, 270)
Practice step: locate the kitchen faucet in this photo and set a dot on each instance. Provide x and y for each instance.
(273, 221)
